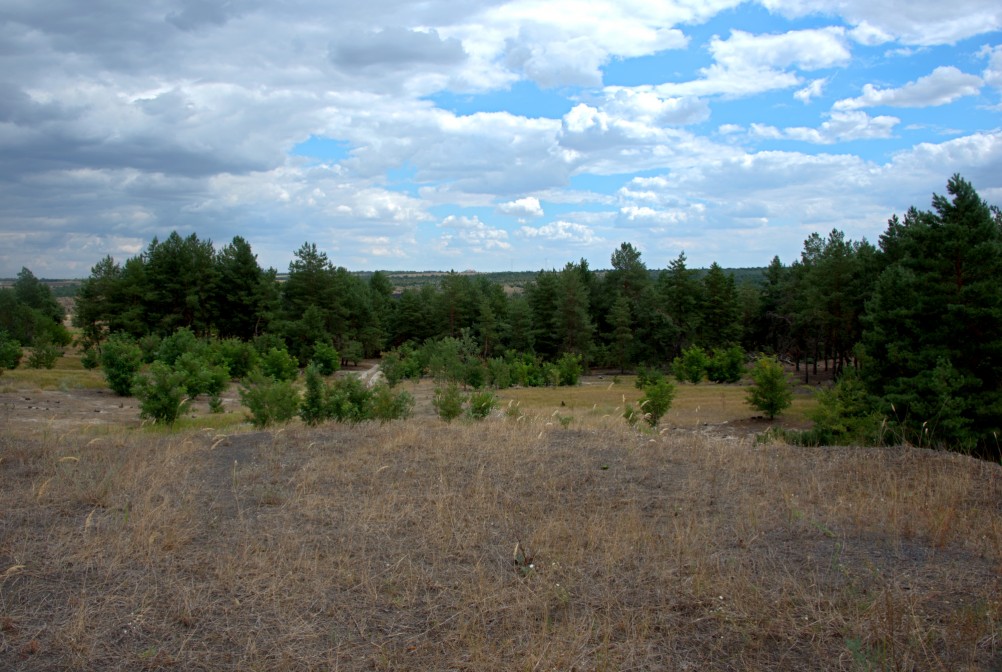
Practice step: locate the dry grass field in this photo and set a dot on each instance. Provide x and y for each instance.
(511, 544)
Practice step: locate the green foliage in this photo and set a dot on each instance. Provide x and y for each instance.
(448, 402)
(726, 365)
(475, 374)
(481, 403)
(120, 361)
(656, 401)
(10, 352)
(270, 401)
(387, 405)
(647, 376)
(348, 400)
(691, 366)
(278, 364)
(90, 358)
(499, 373)
(933, 327)
(569, 369)
(199, 376)
(354, 352)
(43, 354)
(313, 407)
(400, 364)
(326, 358)
(239, 357)
(161, 393)
(179, 343)
(631, 415)
(149, 344)
(845, 415)
(770, 392)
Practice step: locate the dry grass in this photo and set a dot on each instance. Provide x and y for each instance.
(393, 547)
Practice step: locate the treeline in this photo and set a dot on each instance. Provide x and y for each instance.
(917, 318)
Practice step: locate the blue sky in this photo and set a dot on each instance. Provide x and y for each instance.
(454, 134)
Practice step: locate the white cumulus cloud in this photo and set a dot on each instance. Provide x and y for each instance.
(943, 85)
(522, 207)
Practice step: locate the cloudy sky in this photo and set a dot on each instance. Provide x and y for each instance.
(455, 134)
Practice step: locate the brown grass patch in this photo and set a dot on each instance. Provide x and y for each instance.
(393, 547)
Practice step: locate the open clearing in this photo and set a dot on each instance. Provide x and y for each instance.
(508, 544)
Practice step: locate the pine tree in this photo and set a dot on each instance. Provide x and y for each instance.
(933, 337)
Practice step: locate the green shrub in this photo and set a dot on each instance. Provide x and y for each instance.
(770, 392)
(43, 354)
(120, 361)
(656, 401)
(90, 358)
(475, 374)
(387, 405)
(348, 400)
(726, 365)
(180, 342)
(448, 402)
(10, 352)
(481, 403)
(569, 369)
(353, 352)
(239, 357)
(326, 358)
(845, 415)
(498, 373)
(400, 364)
(691, 366)
(278, 364)
(161, 393)
(270, 401)
(313, 407)
(150, 346)
(647, 376)
(202, 377)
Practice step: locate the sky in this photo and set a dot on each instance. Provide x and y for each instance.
(485, 135)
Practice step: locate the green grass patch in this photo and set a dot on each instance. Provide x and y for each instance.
(693, 405)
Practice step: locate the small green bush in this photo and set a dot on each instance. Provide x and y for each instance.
(10, 352)
(180, 342)
(326, 358)
(845, 415)
(43, 354)
(569, 369)
(498, 373)
(202, 377)
(161, 393)
(400, 364)
(657, 400)
(239, 357)
(647, 376)
(481, 403)
(270, 401)
(90, 358)
(313, 407)
(691, 366)
(348, 400)
(278, 364)
(120, 361)
(771, 391)
(387, 405)
(726, 365)
(448, 402)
